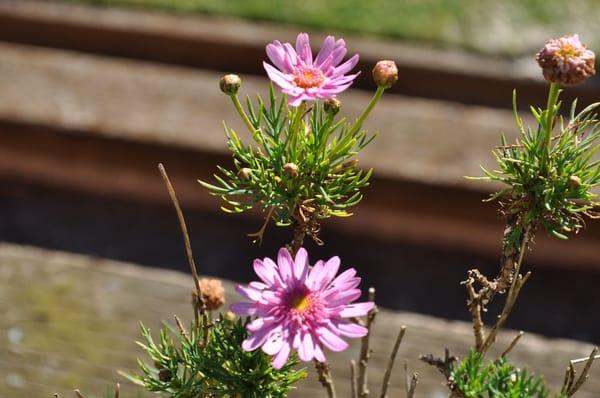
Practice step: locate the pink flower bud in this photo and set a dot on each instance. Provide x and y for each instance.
(566, 61)
(385, 73)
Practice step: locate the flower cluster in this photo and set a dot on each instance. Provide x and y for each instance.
(301, 308)
(566, 60)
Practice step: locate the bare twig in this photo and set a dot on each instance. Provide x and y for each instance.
(388, 370)
(517, 283)
(181, 328)
(325, 378)
(353, 381)
(199, 303)
(513, 343)
(261, 232)
(442, 364)
(365, 350)
(411, 384)
(79, 394)
(117, 390)
(474, 304)
(572, 385)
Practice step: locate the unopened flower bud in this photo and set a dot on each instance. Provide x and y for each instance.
(290, 170)
(566, 61)
(385, 73)
(165, 375)
(230, 84)
(230, 316)
(244, 173)
(574, 182)
(332, 105)
(213, 293)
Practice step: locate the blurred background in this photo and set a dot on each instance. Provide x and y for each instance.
(94, 93)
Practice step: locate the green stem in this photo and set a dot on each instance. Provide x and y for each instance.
(551, 114)
(243, 115)
(361, 119)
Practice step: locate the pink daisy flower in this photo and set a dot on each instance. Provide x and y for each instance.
(301, 307)
(301, 77)
(566, 60)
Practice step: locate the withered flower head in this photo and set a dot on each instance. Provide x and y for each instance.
(212, 292)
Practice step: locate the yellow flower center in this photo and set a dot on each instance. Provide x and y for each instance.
(301, 303)
(567, 51)
(308, 77)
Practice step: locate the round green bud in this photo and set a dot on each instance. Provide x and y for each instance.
(332, 105)
(230, 84)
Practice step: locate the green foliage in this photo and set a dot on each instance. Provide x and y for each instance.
(499, 379)
(550, 178)
(471, 24)
(183, 368)
(325, 182)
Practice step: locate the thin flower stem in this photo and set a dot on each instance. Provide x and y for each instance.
(553, 94)
(243, 115)
(361, 119)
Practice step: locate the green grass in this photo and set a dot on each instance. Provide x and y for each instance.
(508, 27)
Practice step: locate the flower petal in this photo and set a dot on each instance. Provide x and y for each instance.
(282, 356)
(357, 309)
(306, 348)
(249, 292)
(255, 340)
(301, 264)
(331, 340)
(285, 263)
(277, 54)
(265, 271)
(277, 77)
(325, 51)
(247, 309)
(352, 329)
(346, 66)
(303, 48)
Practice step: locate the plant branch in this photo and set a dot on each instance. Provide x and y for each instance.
(325, 378)
(199, 303)
(512, 344)
(572, 385)
(388, 370)
(365, 350)
(353, 381)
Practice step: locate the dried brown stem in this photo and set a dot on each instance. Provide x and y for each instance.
(365, 350)
(388, 370)
(353, 381)
(512, 344)
(199, 303)
(572, 385)
(117, 390)
(181, 328)
(325, 378)
(474, 304)
(79, 394)
(411, 383)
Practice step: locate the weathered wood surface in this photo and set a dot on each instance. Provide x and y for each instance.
(70, 320)
(101, 124)
(218, 43)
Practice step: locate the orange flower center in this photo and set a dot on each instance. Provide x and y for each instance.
(308, 77)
